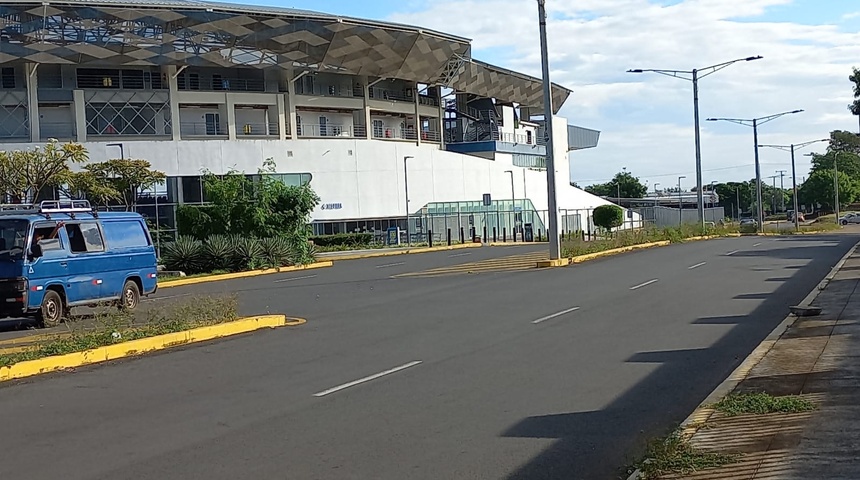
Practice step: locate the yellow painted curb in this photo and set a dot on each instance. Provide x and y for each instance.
(561, 262)
(180, 282)
(360, 256)
(614, 251)
(137, 347)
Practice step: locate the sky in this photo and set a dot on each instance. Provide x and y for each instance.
(646, 120)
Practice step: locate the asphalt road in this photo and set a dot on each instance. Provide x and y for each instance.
(561, 373)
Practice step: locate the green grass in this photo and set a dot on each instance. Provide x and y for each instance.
(762, 403)
(675, 455)
(627, 238)
(111, 327)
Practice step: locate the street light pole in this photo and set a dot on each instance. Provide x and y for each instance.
(781, 189)
(680, 202)
(694, 78)
(406, 190)
(552, 206)
(791, 148)
(754, 123)
(738, 201)
(836, 185)
(794, 192)
(513, 202)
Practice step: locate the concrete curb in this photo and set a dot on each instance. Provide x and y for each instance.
(443, 248)
(700, 415)
(563, 262)
(143, 345)
(181, 282)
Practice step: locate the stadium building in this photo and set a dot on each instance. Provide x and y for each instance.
(368, 112)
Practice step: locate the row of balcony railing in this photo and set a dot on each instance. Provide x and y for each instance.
(67, 131)
(224, 84)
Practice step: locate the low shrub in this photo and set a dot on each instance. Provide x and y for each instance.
(343, 239)
(235, 253)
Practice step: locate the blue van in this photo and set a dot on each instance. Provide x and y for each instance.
(63, 254)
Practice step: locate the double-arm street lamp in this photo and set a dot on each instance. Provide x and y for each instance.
(693, 76)
(754, 123)
(791, 148)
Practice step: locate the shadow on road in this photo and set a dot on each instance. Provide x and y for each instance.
(597, 444)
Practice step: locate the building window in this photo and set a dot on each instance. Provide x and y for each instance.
(378, 128)
(213, 123)
(7, 77)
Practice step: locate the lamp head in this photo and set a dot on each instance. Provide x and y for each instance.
(796, 111)
(757, 57)
(635, 70)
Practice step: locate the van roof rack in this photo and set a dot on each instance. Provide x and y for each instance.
(48, 207)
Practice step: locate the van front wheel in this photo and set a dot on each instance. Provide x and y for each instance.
(52, 309)
(130, 296)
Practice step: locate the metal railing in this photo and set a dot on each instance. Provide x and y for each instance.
(239, 84)
(58, 130)
(395, 133)
(332, 91)
(384, 94)
(427, 100)
(517, 138)
(258, 129)
(330, 130)
(117, 81)
(430, 136)
(202, 129)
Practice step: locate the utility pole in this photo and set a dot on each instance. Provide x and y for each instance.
(781, 189)
(773, 194)
(552, 205)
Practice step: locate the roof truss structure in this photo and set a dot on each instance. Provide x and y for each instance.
(205, 34)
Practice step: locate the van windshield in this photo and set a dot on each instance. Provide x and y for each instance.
(13, 236)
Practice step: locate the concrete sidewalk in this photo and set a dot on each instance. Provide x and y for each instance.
(818, 358)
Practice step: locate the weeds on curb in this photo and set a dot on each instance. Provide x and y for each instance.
(675, 455)
(111, 326)
(762, 403)
(628, 238)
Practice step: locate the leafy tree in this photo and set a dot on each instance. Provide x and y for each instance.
(127, 177)
(25, 173)
(854, 107)
(818, 189)
(624, 183)
(731, 192)
(254, 207)
(608, 216)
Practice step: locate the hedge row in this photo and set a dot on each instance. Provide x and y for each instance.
(234, 253)
(343, 239)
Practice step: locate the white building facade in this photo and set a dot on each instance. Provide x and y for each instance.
(362, 110)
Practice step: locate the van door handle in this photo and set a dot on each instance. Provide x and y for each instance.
(64, 264)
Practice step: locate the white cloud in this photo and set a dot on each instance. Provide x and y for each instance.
(646, 119)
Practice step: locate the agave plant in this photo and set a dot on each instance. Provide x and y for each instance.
(185, 254)
(217, 252)
(276, 251)
(247, 254)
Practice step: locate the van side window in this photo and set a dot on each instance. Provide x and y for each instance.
(125, 234)
(85, 237)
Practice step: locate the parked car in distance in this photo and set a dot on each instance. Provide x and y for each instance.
(852, 217)
(63, 254)
(747, 221)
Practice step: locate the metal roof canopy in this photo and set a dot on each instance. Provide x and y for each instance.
(211, 34)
